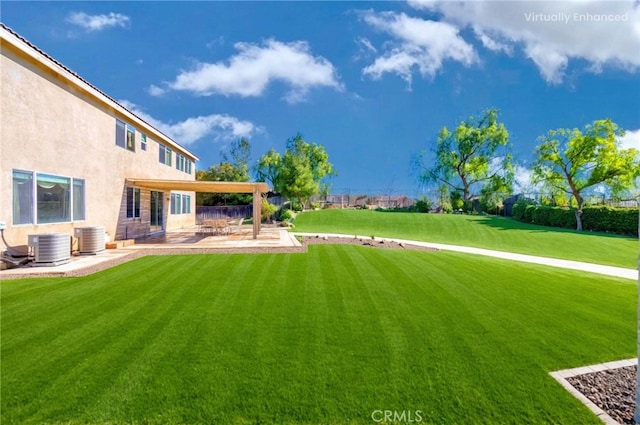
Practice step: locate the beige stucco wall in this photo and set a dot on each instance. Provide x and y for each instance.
(48, 125)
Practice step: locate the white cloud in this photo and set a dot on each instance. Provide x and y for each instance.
(631, 139)
(220, 127)
(365, 44)
(522, 182)
(249, 73)
(154, 90)
(98, 22)
(602, 33)
(491, 43)
(417, 43)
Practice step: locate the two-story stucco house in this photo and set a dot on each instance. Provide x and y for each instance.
(70, 155)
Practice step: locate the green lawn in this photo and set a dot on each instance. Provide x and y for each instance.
(326, 337)
(490, 232)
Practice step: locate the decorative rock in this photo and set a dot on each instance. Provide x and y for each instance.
(611, 390)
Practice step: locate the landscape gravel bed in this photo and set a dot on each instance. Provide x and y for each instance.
(612, 390)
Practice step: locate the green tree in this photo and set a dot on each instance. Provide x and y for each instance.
(571, 160)
(268, 167)
(474, 157)
(234, 167)
(239, 155)
(299, 173)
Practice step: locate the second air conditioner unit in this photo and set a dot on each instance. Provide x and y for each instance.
(90, 239)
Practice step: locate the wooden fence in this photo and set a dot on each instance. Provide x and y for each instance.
(230, 211)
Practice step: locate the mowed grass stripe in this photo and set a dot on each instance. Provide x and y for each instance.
(325, 337)
(490, 232)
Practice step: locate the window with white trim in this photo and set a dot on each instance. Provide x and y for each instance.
(176, 199)
(125, 136)
(143, 141)
(22, 197)
(186, 204)
(164, 154)
(40, 198)
(78, 197)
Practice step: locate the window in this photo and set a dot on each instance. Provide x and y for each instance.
(186, 204)
(78, 200)
(53, 199)
(120, 133)
(22, 197)
(180, 162)
(143, 141)
(125, 136)
(133, 202)
(168, 157)
(131, 138)
(183, 164)
(165, 154)
(180, 204)
(53, 194)
(175, 203)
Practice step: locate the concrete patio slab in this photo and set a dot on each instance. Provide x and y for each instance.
(184, 241)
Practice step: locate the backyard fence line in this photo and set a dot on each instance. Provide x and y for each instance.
(228, 211)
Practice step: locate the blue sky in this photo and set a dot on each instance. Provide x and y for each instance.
(373, 82)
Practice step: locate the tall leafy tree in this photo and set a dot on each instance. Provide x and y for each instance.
(473, 158)
(299, 173)
(573, 160)
(234, 167)
(268, 167)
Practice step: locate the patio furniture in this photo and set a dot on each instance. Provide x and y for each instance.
(235, 226)
(221, 226)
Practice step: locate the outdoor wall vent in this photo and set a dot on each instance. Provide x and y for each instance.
(50, 249)
(91, 240)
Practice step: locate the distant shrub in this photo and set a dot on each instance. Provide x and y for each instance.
(553, 216)
(527, 216)
(285, 215)
(267, 210)
(422, 206)
(609, 219)
(622, 221)
(296, 206)
(518, 209)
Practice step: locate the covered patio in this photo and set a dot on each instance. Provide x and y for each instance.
(257, 189)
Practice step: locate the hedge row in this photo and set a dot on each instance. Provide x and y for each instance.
(598, 218)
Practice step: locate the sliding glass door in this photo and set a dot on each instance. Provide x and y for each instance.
(157, 209)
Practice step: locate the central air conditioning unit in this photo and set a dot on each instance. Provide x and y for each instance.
(91, 239)
(50, 249)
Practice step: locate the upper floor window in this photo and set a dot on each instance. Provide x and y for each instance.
(164, 154)
(125, 136)
(180, 162)
(183, 163)
(143, 141)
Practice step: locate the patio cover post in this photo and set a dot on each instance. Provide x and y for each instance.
(257, 214)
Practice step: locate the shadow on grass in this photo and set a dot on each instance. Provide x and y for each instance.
(507, 223)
